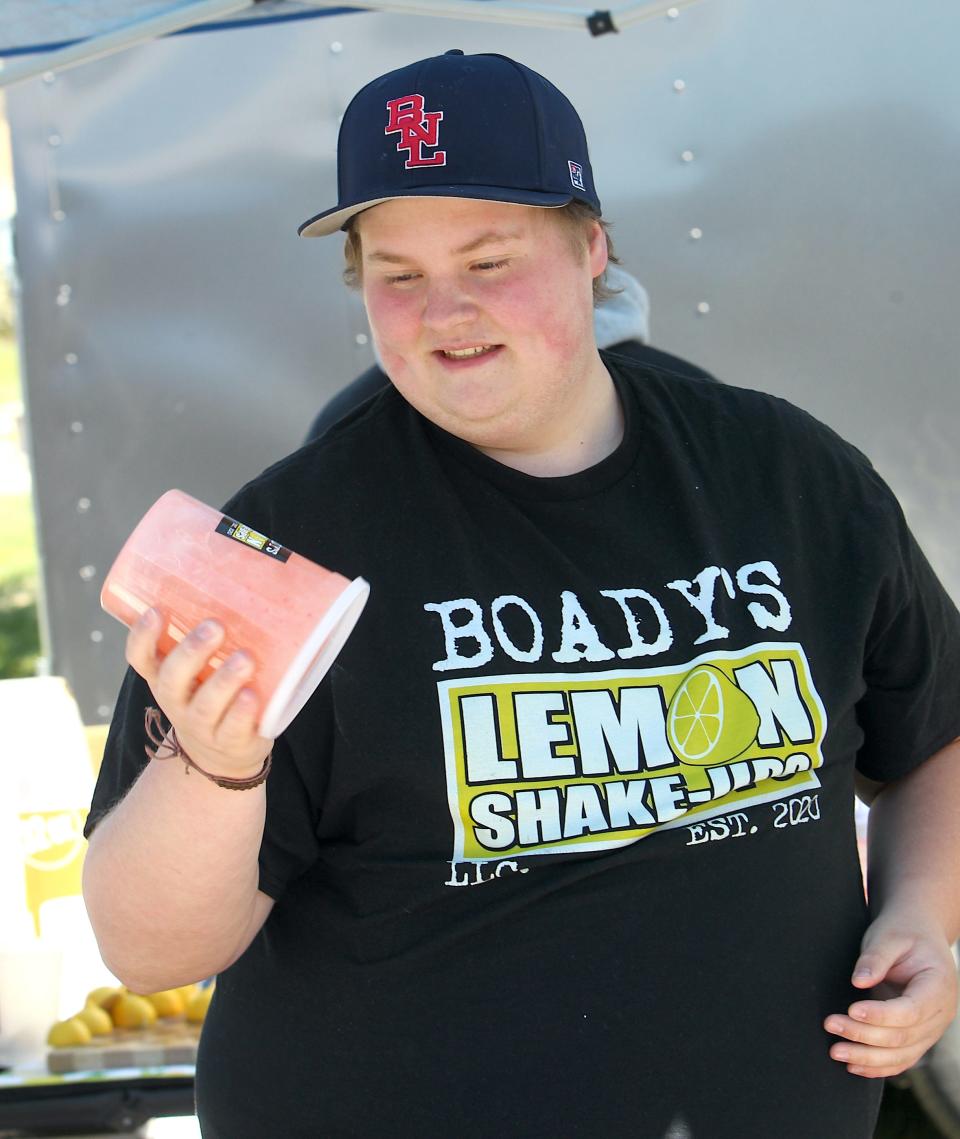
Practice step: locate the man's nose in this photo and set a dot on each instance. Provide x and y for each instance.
(447, 304)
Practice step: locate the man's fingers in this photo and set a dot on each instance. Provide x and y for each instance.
(892, 1022)
(885, 1037)
(141, 648)
(879, 1050)
(216, 719)
(877, 959)
(875, 1063)
(898, 1012)
(239, 723)
(877, 1035)
(176, 678)
(927, 996)
(214, 697)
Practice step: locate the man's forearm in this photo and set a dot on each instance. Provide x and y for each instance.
(914, 842)
(170, 877)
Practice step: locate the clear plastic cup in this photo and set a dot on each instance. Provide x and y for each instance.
(291, 615)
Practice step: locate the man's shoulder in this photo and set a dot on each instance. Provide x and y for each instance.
(347, 401)
(367, 448)
(736, 419)
(367, 428)
(636, 352)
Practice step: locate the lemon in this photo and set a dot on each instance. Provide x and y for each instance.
(187, 992)
(68, 1033)
(169, 1002)
(96, 1019)
(198, 1005)
(133, 1011)
(104, 996)
(709, 719)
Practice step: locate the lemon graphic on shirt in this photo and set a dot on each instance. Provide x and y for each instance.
(709, 719)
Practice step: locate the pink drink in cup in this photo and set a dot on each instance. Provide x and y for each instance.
(191, 562)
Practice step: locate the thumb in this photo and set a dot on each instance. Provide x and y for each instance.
(879, 953)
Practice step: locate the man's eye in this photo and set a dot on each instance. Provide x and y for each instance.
(402, 278)
(487, 265)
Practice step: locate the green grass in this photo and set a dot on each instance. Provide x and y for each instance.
(19, 635)
(19, 631)
(9, 371)
(18, 550)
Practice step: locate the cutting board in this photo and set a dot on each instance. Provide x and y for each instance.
(166, 1042)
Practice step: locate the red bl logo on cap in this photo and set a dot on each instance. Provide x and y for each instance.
(417, 128)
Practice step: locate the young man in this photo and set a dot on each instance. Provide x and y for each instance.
(563, 845)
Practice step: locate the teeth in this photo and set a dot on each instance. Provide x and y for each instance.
(462, 353)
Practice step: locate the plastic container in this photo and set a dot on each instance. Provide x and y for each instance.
(29, 1001)
(191, 562)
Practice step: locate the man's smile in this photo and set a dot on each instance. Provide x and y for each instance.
(469, 354)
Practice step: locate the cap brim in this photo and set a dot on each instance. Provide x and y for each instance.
(331, 220)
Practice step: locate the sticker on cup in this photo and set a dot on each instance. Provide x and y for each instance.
(190, 562)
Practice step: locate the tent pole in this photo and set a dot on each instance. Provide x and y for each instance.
(530, 15)
(535, 15)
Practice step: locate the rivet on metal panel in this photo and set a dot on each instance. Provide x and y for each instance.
(96, 636)
(696, 233)
(336, 47)
(83, 505)
(104, 711)
(703, 308)
(63, 295)
(88, 573)
(679, 85)
(76, 427)
(361, 338)
(686, 156)
(59, 215)
(71, 358)
(54, 140)
(673, 13)
(49, 77)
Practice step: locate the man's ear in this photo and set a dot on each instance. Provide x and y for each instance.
(597, 249)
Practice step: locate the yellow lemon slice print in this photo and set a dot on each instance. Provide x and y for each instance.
(709, 719)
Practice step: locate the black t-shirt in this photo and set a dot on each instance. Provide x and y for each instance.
(563, 845)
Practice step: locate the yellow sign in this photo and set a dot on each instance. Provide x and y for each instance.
(541, 764)
(53, 847)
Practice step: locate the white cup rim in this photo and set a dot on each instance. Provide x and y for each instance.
(313, 659)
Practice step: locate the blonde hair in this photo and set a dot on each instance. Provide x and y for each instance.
(575, 217)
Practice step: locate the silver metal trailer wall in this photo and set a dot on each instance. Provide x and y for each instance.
(783, 178)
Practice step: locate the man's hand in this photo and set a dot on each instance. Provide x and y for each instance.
(910, 968)
(216, 720)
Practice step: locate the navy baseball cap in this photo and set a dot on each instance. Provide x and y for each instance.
(459, 126)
